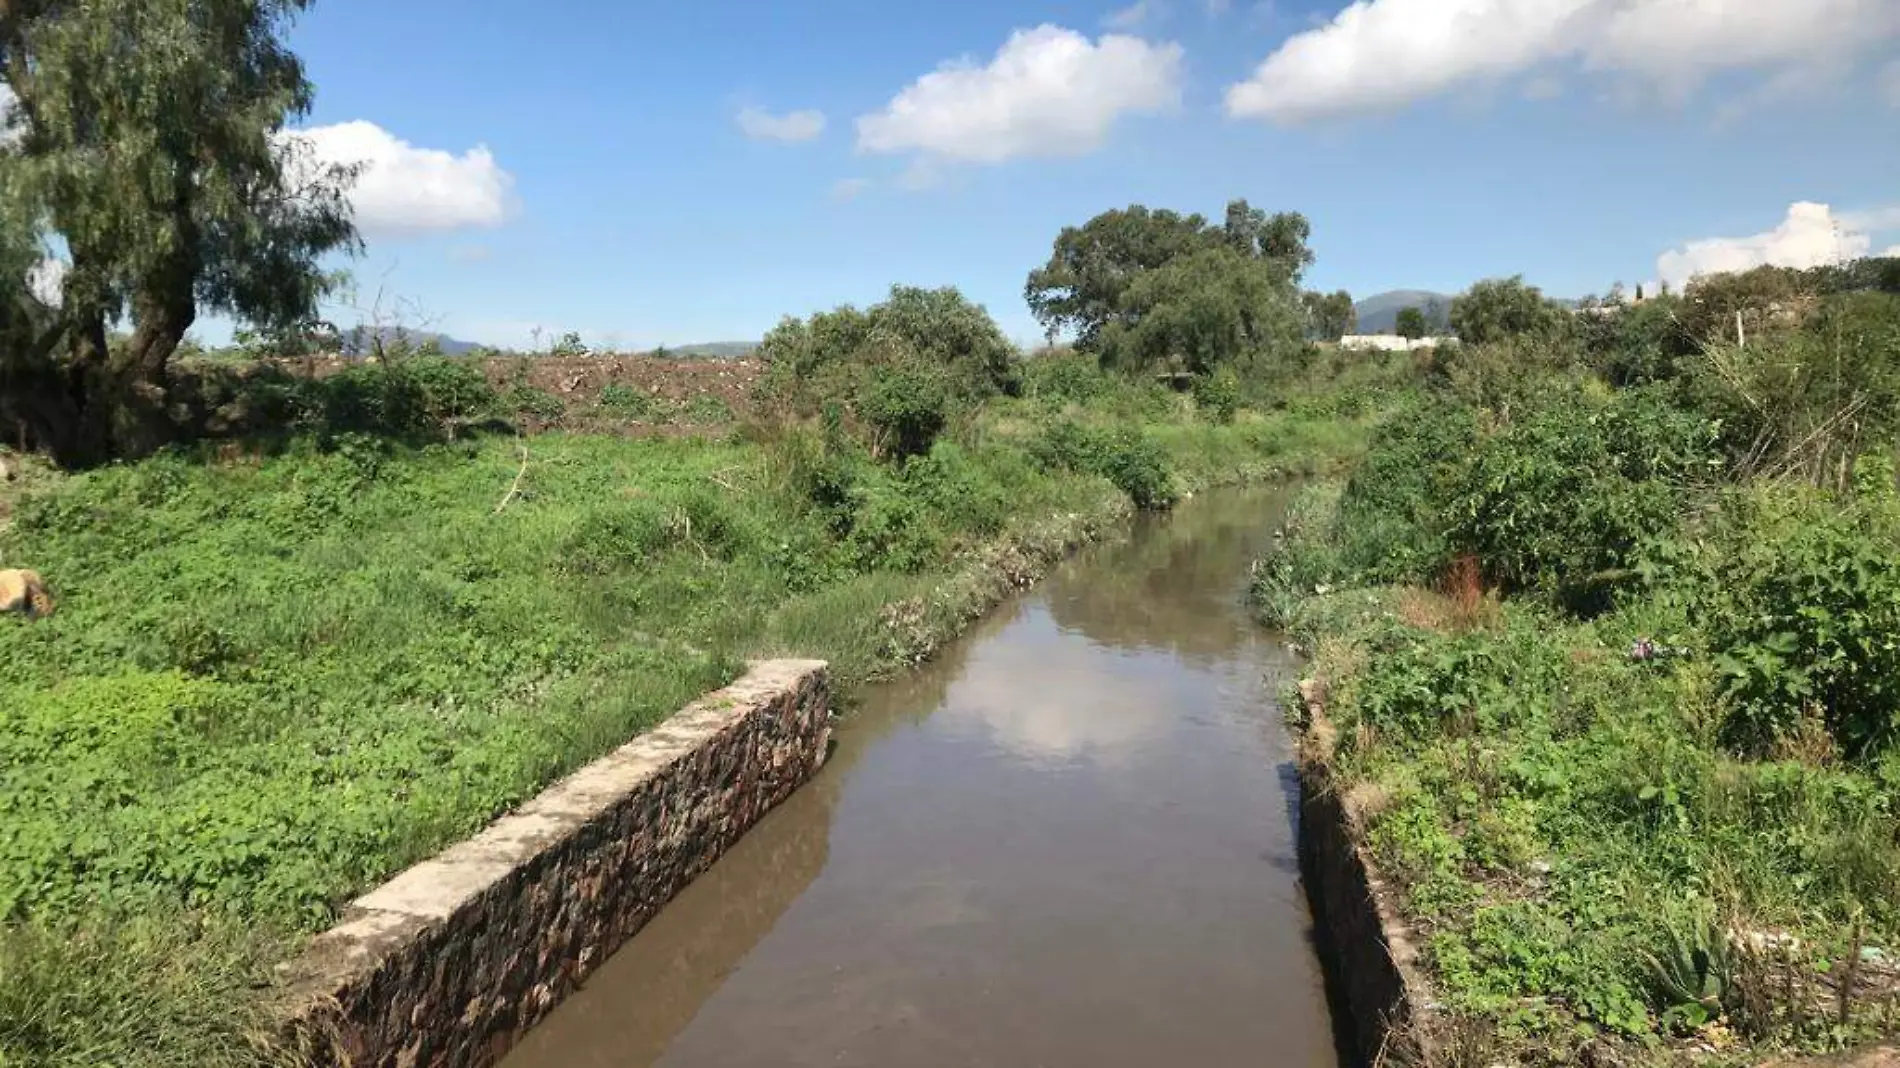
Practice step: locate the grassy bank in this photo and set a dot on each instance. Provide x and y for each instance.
(277, 677)
(1606, 663)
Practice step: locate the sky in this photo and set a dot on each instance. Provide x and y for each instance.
(649, 173)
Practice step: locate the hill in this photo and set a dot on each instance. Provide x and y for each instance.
(715, 350)
(357, 339)
(1379, 314)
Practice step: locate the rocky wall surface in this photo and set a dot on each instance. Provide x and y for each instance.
(1371, 974)
(450, 962)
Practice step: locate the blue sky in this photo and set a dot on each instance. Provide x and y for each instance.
(647, 173)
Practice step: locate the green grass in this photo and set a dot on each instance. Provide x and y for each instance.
(274, 682)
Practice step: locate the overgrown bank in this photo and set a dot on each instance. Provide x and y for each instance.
(1603, 628)
(280, 674)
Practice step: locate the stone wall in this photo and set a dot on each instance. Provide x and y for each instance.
(1372, 978)
(450, 962)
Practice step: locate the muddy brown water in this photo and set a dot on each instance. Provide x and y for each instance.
(1066, 841)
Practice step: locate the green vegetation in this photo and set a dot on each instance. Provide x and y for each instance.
(1410, 324)
(143, 138)
(1605, 625)
(373, 609)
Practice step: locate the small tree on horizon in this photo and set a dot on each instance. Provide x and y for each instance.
(1411, 324)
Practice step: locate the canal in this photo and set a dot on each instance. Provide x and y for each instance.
(1066, 841)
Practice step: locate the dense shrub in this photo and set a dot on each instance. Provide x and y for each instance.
(1135, 463)
(935, 326)
(1807, 402)
(1392, 516)
(907, 404)
(1562, 497)
(625, 400)
(1065, 378)
(1218, 394)
(1504, 308)
(1802, 610)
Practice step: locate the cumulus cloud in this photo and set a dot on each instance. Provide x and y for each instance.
(1048, 92)
(791, 127)
(1812, 235)
(1380, 54)
(404, 190)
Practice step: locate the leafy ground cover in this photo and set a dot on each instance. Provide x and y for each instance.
(1604, 627)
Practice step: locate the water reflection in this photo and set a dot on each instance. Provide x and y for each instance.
(1064, 842)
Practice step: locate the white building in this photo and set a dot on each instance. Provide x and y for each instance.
(1390, 342)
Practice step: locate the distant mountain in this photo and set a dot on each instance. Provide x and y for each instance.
(715, 350)
(1380, 314)
(362, 338)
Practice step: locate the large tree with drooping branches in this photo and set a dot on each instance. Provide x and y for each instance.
(146, 140)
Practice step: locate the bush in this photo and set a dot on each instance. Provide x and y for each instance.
(1135, 463)
(1504, 308)
(534, 403)
(1392, 516)
(1808, 402)
(1561, 499)
(1065, 378)
(907, 404)
(939, 327)
(1801, 608)
(626, 400)
(1218, 394)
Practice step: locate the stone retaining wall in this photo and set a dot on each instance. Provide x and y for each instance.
(1371, 975)
(450, 962)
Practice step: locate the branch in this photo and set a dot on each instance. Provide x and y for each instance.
(515, 490)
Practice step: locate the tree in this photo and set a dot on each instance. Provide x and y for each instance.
(1277, 239)
(1503, 308)
(1202, 311)
(150, 142)
(1411, 324)
(1086, 284)
(938, 327)
(1081, 287)
(1330, 316)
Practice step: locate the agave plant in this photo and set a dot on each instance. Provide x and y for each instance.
(1695, 973)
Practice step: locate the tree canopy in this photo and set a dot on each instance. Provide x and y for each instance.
(1330, 316)
(1502, 308)
(1138, 287)
(149, 142)
(1411, 323)
(937, 327)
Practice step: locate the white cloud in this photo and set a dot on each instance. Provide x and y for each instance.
(404, 190)
(1135, 14)
(791, 127)
(1048, 92)
(849, 188)
(1892, 252)
(1377, 55)
(1811, 236)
